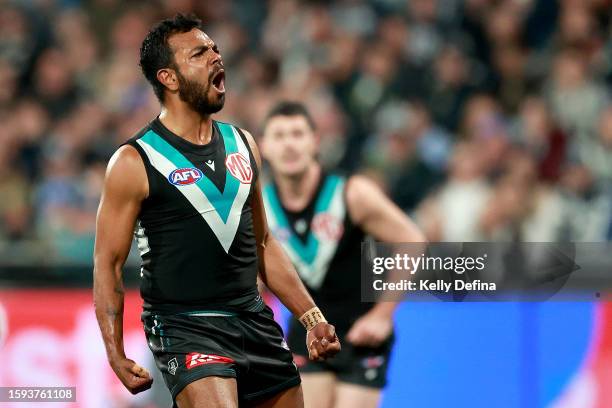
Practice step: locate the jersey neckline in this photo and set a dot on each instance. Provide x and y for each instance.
(204, 150)
(304, 212)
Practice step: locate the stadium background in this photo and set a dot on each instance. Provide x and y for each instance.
(484, 120)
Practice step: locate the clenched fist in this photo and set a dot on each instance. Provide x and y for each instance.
(134, 377)
(322, 342)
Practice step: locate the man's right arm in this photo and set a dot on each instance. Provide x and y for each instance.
(125, 186)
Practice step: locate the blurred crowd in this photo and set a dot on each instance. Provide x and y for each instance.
(483, 119)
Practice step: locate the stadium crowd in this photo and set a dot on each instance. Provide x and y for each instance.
(483, 119)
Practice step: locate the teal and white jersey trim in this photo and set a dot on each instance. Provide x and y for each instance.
(311, 259)
(210, 313)
(221, 211)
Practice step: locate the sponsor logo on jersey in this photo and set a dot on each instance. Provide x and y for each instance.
(327, 227)
(185, 176)
(239, 167)
(172, 366)
(197, 359)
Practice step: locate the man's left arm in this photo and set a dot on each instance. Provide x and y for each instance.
(279, 275)
(379, 217)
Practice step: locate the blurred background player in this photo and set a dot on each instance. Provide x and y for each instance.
(189, 186)
(321, 219)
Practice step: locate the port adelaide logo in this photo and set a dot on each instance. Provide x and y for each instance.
(185, 176)
(172, 366)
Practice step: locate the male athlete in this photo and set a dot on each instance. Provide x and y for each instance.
(187, 186)
(321, 219)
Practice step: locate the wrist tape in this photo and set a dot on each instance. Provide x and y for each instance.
(311, 318)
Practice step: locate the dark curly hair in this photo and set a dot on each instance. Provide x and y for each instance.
(155, 52)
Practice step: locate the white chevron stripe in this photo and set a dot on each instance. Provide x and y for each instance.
(225, 232)
(327, 248)
(294, 257)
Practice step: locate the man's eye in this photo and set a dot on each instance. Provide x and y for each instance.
(199, 53)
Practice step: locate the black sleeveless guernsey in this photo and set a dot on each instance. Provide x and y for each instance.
(325, 247)
(195, 229)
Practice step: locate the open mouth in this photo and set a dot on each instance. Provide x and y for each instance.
(218, 81)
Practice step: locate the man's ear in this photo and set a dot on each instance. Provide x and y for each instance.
(167, 77)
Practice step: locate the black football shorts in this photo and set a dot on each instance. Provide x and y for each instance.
(364, 366)
(248, 346)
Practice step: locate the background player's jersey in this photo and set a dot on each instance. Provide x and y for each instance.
(195, 229)
(325, 247)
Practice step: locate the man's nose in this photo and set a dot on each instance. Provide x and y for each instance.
(217, 58)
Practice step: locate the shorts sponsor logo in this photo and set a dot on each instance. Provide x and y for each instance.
(197, 359)
(185, 176)
(172, 366)
(239, 167)
(372, 362)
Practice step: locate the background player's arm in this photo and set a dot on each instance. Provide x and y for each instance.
(125, 186)
(380, 218)
(279, 275)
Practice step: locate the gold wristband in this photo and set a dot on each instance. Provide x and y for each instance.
(311, 318)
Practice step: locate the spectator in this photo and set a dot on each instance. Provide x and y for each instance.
(449, 87)
(453, 213)
(537, 132)
(596, 153)
(522, 208)
(576, 99)
(587, 207)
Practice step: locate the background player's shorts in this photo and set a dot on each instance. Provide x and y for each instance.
(365, 366)
(248, 346)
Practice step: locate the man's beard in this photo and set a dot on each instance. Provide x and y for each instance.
(195, 95)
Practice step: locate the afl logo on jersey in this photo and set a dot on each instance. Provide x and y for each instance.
(327, 227)
(239, 167)
(185, 176)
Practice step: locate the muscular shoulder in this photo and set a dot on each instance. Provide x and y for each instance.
(362, 194)
(126, 174)
(253, 146)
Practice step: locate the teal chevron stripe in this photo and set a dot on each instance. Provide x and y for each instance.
(222, 201)
(308, 251)
(228, 138)
(327, 193)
